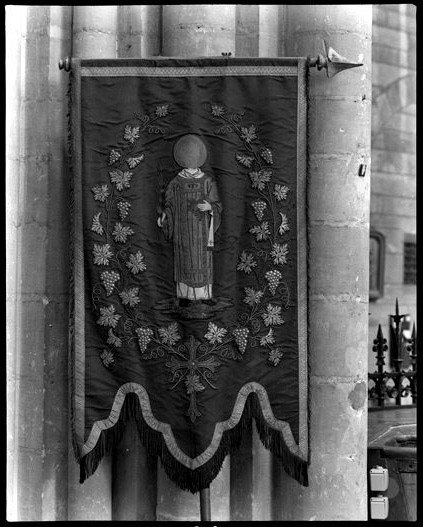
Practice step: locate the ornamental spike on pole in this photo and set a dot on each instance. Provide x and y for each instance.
(333, 62)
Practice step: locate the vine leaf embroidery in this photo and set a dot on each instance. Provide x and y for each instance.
(108, 317)
(131, 134)
(96, 225)
(135, 161)
(102, 254)
(170, 334)
(113, 339)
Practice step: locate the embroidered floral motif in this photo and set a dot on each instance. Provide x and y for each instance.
(113, 339)
(131, 134)
(280, 192)
(245, 160)
(144, 337)
(275, 356)
(241, 338)
(113, 156)
(266, 154)
(130, 297)
(102, 254)
(108, 317)
(284, 227)
(107, 358)
(261, 231)
(272, 316)
(101, 192)
(170, 334)
(215, 334)
(259, 208)
(193, 363)
(248, 134)
(109, 279)
(123, 209)
(268, 338)
(193, 383)
(252, 297)
(121, 178)
(260, 178)
(246, 262)
(274, 278)
(136, 262)
(162, 110)
(266, 282)
(96, 225)
(279, 253)
(133, 162)
(217, 111)
(120, 233)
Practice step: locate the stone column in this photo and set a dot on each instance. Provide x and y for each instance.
(56, 301)
(94, 36)
(37, 346)
(192, 31)
(247, 30)
(16, 20)
(139, 31)
(338, 229)
(195, 30)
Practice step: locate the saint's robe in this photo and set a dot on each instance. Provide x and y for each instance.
(192, 231)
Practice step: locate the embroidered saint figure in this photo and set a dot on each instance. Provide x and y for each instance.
(191, 215)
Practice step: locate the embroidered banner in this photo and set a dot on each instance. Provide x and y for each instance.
(189, 285)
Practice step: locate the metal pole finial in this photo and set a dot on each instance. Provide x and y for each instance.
(332, 61)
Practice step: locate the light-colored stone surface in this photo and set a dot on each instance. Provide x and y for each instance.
(339, 141)
(195, 30)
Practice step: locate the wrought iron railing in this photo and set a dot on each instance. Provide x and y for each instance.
(396, 384)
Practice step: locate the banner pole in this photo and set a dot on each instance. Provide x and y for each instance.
(205, 505)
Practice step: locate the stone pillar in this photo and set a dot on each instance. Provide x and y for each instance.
(195, 30)
(192, 31)
(39, 428)
(56, 301)
(94, 36)
(139, 31)
(338, 229)
(269, 30)
(16, 20)
(247, 30)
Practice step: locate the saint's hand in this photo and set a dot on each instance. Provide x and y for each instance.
(204, 206)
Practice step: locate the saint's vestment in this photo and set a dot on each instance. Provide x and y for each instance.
(192, 231)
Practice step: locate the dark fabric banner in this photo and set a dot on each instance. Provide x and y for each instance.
(189, 284)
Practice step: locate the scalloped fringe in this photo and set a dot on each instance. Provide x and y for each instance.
(200, 478)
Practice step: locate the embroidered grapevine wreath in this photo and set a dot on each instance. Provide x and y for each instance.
(116, 296)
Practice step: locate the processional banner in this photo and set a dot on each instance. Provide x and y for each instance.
(189, 282)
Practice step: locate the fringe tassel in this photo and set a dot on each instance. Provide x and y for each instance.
(200, 478)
